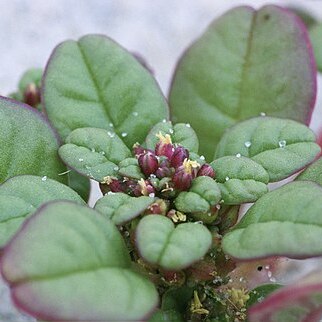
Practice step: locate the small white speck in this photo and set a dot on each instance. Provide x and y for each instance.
(44, 178)
(126, 233)
(115, 168)
(153, 176)
(110, 193)
(241, 279)
(151, 195)
(135, 113)
(282, 144)
(124, 134)
(87, 167)
(80, 159)
(273, 279)
(110, 134)
(247, 144)
(254, 292)
(61, 174)
(260, 299)
(111, 124)
(267, 267)
(171, 131)
(227, 178)
(218, 206)
(202, 157)
(102, 152)
(92, 149)
(164, 121)
(269, 274)
(188, 125)
(199, 222)
(262, 114)
(238, 155)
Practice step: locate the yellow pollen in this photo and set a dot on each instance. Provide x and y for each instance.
(107, 180)
(144, 189)
(165, 139)
(238, 297)
(189, 165)
(196, 305)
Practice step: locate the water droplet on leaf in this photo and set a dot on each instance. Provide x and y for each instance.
(247, 144)
(282, 144)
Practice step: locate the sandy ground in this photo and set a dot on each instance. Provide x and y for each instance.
(159, 30)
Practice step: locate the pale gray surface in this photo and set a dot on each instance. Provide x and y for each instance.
(160, 30)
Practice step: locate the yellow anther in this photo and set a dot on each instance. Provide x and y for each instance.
(178, 217)
(196, 305)
(238, 297)
(144, 189)
(165, 139)
(190, 165)
(107, 180)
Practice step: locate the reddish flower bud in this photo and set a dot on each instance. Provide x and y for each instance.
(184, 174)
(181, 179)
(31, 95)
(164, 171)
(139, 149)
(179, 154)
(148, 163)
(113, 184)
(206, 170)
(164, 146)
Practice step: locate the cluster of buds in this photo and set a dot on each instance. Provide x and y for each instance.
(168, 164)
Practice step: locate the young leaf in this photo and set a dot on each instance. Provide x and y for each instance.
(129, 168)
(80, 184)
(281, 146)
(180, 133)
(20, 197)
(121, 208)
(93, 82)
(28, 144)
(160, 242)
(240, 179)
(204, 193)
(313, 172)
(259, 293)
(301, 301)
(316, 36)
(70, 263)
(93, 152)
(286, 221)
(166, 316)
(243, 65)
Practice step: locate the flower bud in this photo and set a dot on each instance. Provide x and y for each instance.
(178, 156)
(206, 170)
(181, 179)
(139, 149)
(31, 95)
(164, 146)
(148, 163)
(113, 184)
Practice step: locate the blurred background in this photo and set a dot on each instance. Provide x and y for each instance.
(159, 30)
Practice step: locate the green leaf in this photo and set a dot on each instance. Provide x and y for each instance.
(66, 255)
(316, 36)
(286, 222)
(300, 301)
(93, 152)
(259, 293)
(180, 133)
(202, 195)
(28, 144)
(22, 195)
(177, 299)
(246, 63)
(166, 316)
(240, 179)
(313, 172)
(80, 184)
(93, 82)
(121, 208)
(129, 168)
(160, 242)
(281, 146)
